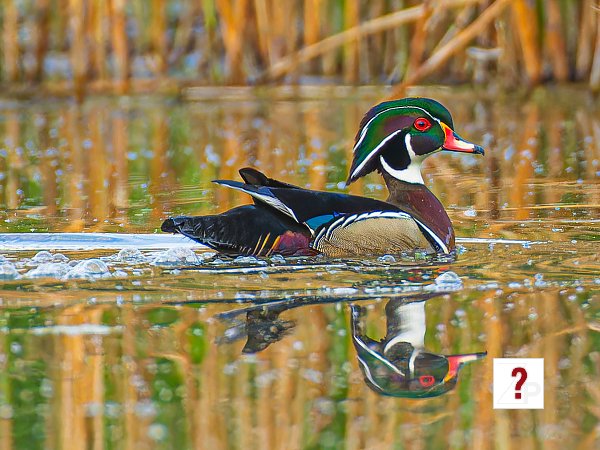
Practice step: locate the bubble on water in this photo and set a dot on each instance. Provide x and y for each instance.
(157, 431)
(313, 375)
(447, 281)
(49, 270)
(145, 409)
(6, 412)
(93, 409)
(515, 285)
(387, 259)
(470, 212)
(46, 388)
(344, 291)
(120, 274)
(176, 256)
(249, 260)
(131, 255)
(277, 259)
(90, 269)
(8, 271)
(460, 249)
(42, 257)
(16, 348)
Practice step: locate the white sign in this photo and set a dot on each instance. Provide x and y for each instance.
(518, 383)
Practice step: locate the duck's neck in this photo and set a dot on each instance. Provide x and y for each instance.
(420, 202)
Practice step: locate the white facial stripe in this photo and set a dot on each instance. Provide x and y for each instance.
(374, 152)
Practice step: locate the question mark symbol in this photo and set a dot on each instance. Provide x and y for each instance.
(519, 371)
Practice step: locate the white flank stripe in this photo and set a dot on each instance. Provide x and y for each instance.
(344, 221)
(434, 236)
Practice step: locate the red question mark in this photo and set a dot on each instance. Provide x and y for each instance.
(519, 371)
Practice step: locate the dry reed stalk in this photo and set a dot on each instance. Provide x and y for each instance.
(312, 27)
(284, 65)
(78, 50)
(100, 13)
(585, 40)
(10, 41)
(233, 17)
(351, 55)
(419, 39)
(555, 41)
(595, 72)
(207, 45)
(42, 38)
(263, 31)
(332, 42)
(119, 45)
(458, 43)
(526, 24)
(159, 36)
(374, 54)
(184, 33)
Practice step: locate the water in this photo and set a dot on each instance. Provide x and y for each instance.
(113, 335)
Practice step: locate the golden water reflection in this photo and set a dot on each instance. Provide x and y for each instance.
(147, 361)
(152, 376)
(125, 164)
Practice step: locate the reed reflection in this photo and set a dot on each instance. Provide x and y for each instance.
(106, 165)
(397, 365)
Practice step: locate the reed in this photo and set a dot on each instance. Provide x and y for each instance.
(125, 46)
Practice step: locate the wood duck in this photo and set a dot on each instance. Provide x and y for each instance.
(399, 365)
(394, 138)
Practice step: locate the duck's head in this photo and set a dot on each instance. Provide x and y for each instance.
(396, 136)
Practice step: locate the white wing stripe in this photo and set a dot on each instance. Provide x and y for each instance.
(272, 201)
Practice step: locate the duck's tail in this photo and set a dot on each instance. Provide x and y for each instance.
(246, 230)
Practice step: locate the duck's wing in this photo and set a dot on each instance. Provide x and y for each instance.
(311, 208)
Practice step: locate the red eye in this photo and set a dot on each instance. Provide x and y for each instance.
(422, 124)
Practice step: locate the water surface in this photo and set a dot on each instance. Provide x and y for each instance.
(160, 343)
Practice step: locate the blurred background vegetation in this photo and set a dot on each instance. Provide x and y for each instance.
(83, 46)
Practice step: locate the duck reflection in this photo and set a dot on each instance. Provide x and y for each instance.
(397, 365)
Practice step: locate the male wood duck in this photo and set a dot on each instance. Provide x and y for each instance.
(394, 138)
(399, 365)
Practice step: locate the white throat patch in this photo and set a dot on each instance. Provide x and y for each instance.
(412, 174)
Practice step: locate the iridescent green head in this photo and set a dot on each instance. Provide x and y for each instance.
(396, 136)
